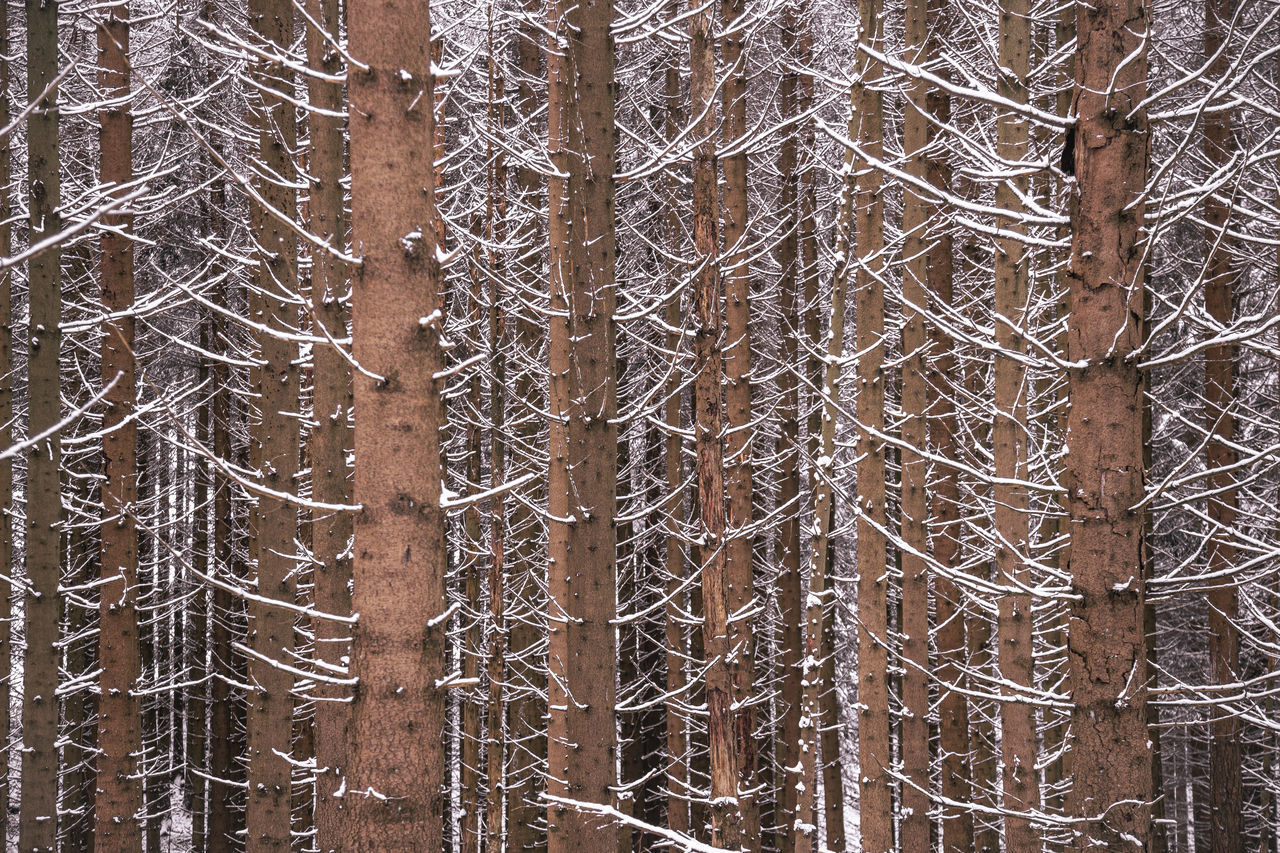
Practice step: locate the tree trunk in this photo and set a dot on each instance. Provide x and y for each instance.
(119, 785)
(944, 507)
(1104, 475)
(876, 802)
(526, 704)
(223, 702)
(917, 230)
(1226, 788)
(499, 341)
(331, 428)
(38, 824)
(1009, 448)
(787, 546)
(395, 765)
(275, 437)
(739, 541)
(583, 441)
(8, 505)
(726, 815)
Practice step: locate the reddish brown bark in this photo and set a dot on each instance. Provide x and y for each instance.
(1226, 784)
(1104, 477)
(119, 786)
(1015, 661)
(917, 232)
(330, 437)
(583, 442)
(726, 815)
(275, 443)
(37, 822)
(739, 543)
(874, 759)
(395, 760)
(787, 545)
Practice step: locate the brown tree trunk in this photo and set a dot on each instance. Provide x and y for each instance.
(726, 815)
(677, 735)
(331, 427)
(222, 701)
(787, 546)
(874, 759)
(499, 341)
(583, 442)
(119, 785)
(739, 542)
(275, 438)
(1015, 661)
(916, 233)
(472, 650)
(526, 706)
(395, 765)
(197, 705)
(944, 508)
(1056, 744)
(38, 824)
(1104, 475)
(1226, 787)
(829, 704)
(8, 506)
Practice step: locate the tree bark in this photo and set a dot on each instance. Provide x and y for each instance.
(677, 650)
(787, 545)
(330, 435)
(739, 541)
(1226, 784)
(726, 813)
(398, 718)
(1104, 475)
(37, 823)
(526, 704)
(944, 507)
(275, 438)
(874, 759)
(119, 785)
(8, 504)
(917, 231)
(583, 444)
(1015, 660)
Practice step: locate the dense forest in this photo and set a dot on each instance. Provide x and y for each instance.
(755, 426)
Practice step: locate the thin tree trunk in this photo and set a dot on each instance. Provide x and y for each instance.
(950, 615)
(499, 341)
(274, 522)
(677, 651)
(1015, 661)
(916, 233)
(726, 815)
(876, 801)
(472, 650)
(330, 436)
(38, 824)
(223, 702)
(398, 718)
(1226, 784)
(583, 442)
(197, 764)
(739, 543)
(787, 546)
(1104, 475)
(119, 785)
(1057, 768)
(526, 709)
(829, 704)
(8, 505)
